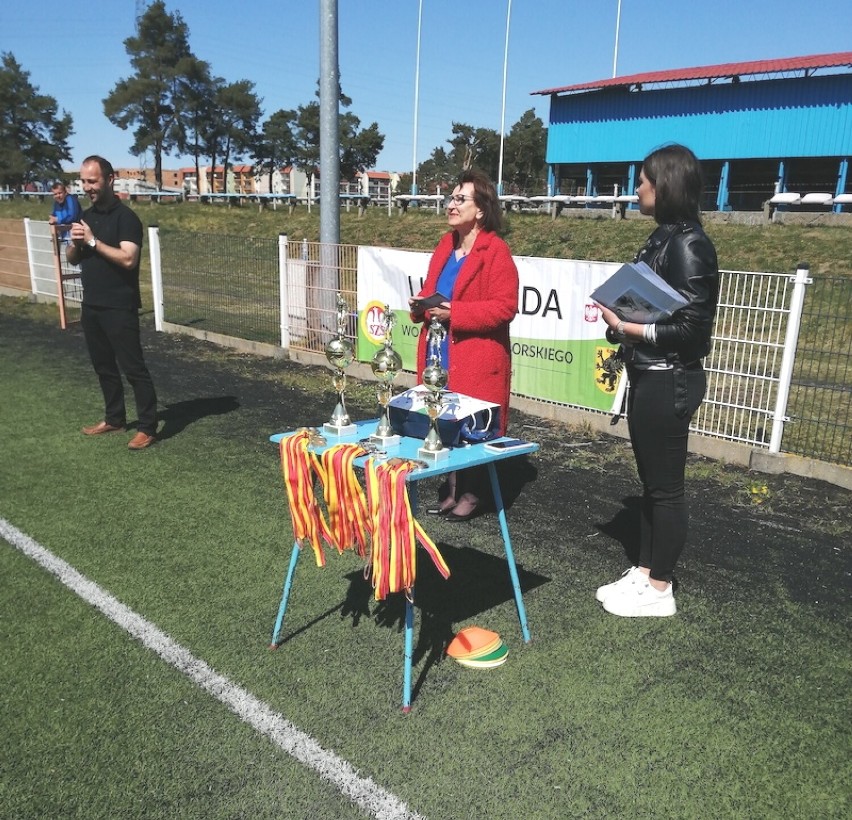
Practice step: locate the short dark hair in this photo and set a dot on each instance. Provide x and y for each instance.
(485, 198)
(57, 185)
(678, 180)
(104, 165)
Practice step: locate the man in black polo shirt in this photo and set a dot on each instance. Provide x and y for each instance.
(107, 244)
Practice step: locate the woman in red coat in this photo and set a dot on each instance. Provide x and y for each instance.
(474, 268)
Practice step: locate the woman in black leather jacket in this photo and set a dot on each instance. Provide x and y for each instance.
(667, 380)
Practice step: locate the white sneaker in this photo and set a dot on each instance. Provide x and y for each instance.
(640, 599)
(629, 576)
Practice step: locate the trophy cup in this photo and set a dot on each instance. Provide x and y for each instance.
(385, 365)
(340, 353)
(434, 380)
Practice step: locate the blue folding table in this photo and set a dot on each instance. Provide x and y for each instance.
(458, 459)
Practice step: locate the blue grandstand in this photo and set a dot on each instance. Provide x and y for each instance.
(775, 131)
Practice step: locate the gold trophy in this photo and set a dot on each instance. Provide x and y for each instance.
(340, 353)
(385, 365)
(434, 380)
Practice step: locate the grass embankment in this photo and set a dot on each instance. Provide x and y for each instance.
(775, 248)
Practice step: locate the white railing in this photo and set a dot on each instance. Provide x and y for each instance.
(50, 272)
(750, 366)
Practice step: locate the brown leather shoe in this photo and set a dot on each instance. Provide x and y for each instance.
(102, 427)
(140, 441)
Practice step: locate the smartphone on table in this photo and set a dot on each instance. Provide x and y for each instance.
(505, 444)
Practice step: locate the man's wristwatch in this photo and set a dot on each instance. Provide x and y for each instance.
(92, 242)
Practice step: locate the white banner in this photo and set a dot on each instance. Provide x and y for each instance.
(558, 344)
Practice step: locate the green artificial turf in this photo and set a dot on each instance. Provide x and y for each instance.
(737, 707)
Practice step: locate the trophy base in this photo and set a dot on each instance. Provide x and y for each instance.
(385, 441)
(339, 429)
(433, 455)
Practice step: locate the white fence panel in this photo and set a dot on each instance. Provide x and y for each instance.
(42, 256)
(744, 368)
(42, 262)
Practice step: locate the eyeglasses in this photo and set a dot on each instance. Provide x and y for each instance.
(459, 199)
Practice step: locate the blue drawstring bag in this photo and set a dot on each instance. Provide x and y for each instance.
(463, 419)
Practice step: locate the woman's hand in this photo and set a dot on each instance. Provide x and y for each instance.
(626, 332)
(412, 300)
(616, 330)
(610, 317)
(441, 313)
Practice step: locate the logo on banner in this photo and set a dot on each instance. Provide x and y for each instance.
(592, 312)
(608, 367)
(373, 322)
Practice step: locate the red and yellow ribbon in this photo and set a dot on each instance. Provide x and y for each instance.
(383, 515)
(395, 531)
(344, 499)
(309, 526)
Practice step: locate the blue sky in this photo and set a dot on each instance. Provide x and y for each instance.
(75, 53)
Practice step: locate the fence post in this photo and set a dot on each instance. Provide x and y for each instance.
(156, 275)
(60, 279)
(30, 257)
(797, 302)
(283, 296)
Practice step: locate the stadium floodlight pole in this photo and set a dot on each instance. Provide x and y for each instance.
(503, 112)
(416, 102)
(329, 163)
(615, 51)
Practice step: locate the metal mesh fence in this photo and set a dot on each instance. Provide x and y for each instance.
(820, 404)
(230, 286)
(49, 269)
(223, 284)
(315, 273)
(70, 298)
(744, 364)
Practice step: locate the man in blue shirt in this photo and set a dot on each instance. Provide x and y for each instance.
(66, 209)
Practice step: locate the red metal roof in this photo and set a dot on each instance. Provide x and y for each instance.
(710, 72)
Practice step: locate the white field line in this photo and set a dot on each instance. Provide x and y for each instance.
(362, 791)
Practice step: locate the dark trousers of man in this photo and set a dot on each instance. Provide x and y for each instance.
(115, 347)
(658, 434)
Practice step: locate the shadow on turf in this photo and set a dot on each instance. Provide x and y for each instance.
(178, 416)
(478, 583)
(514, 475)
(624, 527)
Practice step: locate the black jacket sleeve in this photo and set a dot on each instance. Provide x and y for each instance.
(692, 269)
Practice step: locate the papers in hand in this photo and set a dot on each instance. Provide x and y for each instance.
(637, 294)
(426, 302)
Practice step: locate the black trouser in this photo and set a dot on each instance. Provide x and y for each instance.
(112, 336)
(659, 427)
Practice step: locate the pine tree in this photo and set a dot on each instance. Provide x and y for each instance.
(150, 99)
(33, 136)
